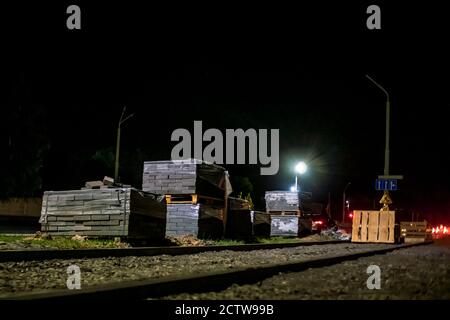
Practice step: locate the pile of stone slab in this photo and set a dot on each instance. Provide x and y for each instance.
(196, 193)
(270, 225)
(200, 220)
(283, 202)
(242, 222)
(285, 215)
(103, 212)
(289, 226)
(185, 177)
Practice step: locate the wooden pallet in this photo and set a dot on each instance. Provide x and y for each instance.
(284, 213)
(373, 226)
(192, 199)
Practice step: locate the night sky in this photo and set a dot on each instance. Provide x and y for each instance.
(300, 69)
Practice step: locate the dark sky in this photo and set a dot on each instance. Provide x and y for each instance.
(297, 68)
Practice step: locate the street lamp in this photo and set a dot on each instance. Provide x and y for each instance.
(388, 116)
(343, 202)
(300, 168)
(385, 199)
(116, 166)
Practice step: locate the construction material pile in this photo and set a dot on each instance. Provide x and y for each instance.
(185, 177)
(103, 212)
(195, 192)
(284, 210)
(282, 201)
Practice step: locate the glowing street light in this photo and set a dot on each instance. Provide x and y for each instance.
(300, 168)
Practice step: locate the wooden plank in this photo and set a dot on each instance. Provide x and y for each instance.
(364, 226)
(383, 235)
(182, 199)
(391, 237)
(372, 228)
(356, 226)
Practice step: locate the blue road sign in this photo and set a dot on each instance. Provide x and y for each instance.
(386, 184)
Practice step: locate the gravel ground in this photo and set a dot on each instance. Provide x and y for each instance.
(416, 273)
(51, 274)
(23, 246)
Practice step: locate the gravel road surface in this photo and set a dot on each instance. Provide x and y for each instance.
(421, 272)
(52, 274)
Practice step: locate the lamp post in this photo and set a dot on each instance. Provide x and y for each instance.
(385, 199)
(300, 168)
(388, 116)
(343, 202)
(121, 121)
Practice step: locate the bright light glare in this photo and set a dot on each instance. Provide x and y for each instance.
(293, 189)
(301, 167)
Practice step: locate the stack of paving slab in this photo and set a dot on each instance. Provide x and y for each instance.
(284, 210)
(282, 201)
(289, 226)
(190, 216)
(268, 225)
(124, 212)
(184, 177)
(200, 220)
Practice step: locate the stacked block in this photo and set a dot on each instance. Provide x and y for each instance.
(103, 212)
(289, 226)
(196, 193)
(199, 220)
(270, 225)
(184, 177)
(283, 201)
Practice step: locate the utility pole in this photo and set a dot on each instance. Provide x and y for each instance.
(386, 198)
(121, 121)
(343, 201)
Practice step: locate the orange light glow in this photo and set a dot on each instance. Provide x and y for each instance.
(440, 230)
